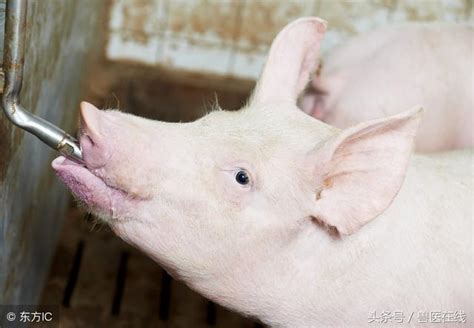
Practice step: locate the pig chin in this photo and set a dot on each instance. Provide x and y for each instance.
(90, 189)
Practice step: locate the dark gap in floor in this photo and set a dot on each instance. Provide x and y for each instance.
(120, 283)
(211, 313)
(165, 296)
(73, 274)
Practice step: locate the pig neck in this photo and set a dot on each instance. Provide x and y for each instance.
(319, 278)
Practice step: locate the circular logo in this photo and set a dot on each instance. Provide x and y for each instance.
(11, 316)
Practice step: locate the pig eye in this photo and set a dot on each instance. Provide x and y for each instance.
(242, 177)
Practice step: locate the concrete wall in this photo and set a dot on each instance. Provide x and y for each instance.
(231, 38)
(61, 36)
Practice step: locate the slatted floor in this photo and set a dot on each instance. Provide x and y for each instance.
(99, 281)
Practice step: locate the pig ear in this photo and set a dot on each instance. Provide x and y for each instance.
(360, 171)
(292, 59)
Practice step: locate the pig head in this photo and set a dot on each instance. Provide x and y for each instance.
(229, 203)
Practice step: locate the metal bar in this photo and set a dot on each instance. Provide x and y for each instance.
(13, 59)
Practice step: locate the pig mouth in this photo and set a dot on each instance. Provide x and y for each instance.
(90, 189)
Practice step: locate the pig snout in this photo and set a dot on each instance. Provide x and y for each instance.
(105, 184)
(114, 150)
(92, 143)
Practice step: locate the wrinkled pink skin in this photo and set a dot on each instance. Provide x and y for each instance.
(332, 226)
(379, 73)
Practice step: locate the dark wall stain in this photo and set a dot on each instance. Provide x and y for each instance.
(5, 147)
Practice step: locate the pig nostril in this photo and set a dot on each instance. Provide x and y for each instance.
(93, 151)
(87, 141)
(90, 140)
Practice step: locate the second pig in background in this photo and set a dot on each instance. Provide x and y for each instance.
(377, 74)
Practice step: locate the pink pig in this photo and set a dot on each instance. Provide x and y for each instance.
(279, 216)
(383, 71)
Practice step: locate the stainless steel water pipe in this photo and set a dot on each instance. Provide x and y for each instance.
(13, 59)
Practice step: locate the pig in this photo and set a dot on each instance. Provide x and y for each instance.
(391, 68)
(279, 216)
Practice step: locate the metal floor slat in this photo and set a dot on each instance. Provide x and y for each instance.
(100, 281)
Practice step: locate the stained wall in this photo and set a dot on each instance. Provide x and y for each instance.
(61, 38)
(231, 38)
